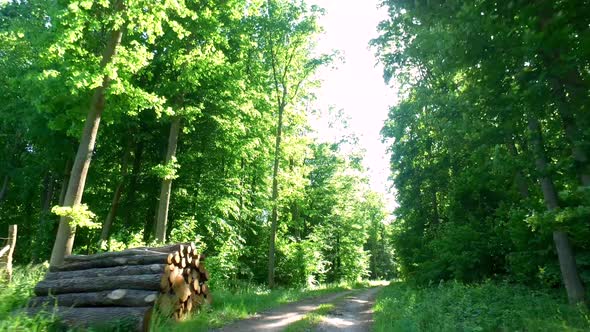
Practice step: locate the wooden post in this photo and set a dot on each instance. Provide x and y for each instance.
(11, 243)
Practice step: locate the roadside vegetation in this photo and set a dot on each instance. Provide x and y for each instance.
(231, 302)
(488, 306)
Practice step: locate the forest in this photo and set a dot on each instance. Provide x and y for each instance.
(132, 123)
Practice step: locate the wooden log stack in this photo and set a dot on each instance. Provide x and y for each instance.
(125, 285)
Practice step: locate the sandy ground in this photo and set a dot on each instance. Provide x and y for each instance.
(352, 313)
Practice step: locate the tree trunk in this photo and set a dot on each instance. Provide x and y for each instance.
(46, 200)
(519, 179)
(108, 222)
(162, 220)
(81, 285)
(132, 191)
(567, 261)
(12, 236)
(4, 188)
(125, 270)
(109, 318)
(275, 196)
(111, 262)
(64, 241)
(64, 182)
(572, 133)
(117, 297)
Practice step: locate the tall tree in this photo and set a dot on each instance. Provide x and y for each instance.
(288, 40)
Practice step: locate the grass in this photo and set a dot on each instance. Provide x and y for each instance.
(485, 307)
(15, 295)
(311, 320)
(240, 302)
(246, 301)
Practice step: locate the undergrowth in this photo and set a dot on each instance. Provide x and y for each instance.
(14, 297)
(485, 307)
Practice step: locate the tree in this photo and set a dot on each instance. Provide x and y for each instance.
(287, 37)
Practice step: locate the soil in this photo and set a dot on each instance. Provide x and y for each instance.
(352, 313)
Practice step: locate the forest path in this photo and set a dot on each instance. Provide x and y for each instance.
(352, 313)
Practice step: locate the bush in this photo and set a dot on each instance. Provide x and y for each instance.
(485, 307)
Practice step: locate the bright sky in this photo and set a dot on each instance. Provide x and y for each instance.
(356, 86)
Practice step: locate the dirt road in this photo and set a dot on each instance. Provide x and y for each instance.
(352, 313)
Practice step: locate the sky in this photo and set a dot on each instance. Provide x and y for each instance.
(355, 86)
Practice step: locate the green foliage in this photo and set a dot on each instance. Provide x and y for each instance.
(224, 69)
(471, 76)
(484, 307)
(78, 215)
(167, 171)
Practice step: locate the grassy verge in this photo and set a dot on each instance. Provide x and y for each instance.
(16, 295)
(246, 301)
(486, 307)
(311, 320)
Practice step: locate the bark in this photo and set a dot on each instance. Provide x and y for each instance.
(108, 222)
(84, 285)
(136, 168)
(275, 196)
(12, 234)
(48, 192)
(564, 83)
(567, 261)
(46, 200)
(118, 254)
(572, 133)
(111, 261)
(123, 318)
(145, 251)
(127, 270)
(4, 188)
(117, 297)
(519, 178)
(64, 182)
(65, 234)
(162, 220)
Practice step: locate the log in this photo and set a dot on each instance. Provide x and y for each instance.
(80, 285)
(170, 279)
(129, 270)
(181, 288)
(124, 253)
(165, 249)
(121, 318)
(112, 261)
(118, 297)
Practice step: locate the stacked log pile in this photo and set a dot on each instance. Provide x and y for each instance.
(125, 285)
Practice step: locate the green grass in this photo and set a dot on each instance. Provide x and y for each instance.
(311, 320)
(15, 295)
(246, 301)
(486, 307)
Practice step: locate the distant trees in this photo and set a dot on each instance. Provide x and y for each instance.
(491, 105)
